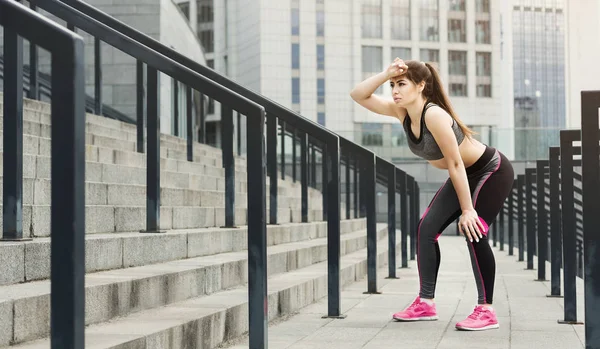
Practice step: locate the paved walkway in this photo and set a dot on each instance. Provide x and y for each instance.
(528, 319)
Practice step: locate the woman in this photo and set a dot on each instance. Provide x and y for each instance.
(480, 179)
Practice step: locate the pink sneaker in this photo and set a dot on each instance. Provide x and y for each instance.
(481, 319)
(417, 311)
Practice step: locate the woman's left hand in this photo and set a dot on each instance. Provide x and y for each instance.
(470, 225)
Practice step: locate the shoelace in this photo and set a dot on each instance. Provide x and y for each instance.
(414, 304)
(476, 313)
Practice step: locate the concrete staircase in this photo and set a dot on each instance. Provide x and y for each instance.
(185, 288)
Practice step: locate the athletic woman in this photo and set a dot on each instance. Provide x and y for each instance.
(480, 179)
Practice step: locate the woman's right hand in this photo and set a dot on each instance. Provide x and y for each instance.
(398, 67)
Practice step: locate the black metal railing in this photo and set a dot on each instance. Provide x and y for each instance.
(335, 151)
(562, 203)
(67, 247)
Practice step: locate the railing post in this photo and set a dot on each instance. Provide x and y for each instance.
(391, 211)
(501, 226)
(368, 184)
(412, 223)
(67, 217)
(189, 122)
(294, 136)
(33, 64)
(313, 166)
(140, 124)
(332, 158)
(175, 107)
(568, 227)
(239, 135)
(257, 232)
(272, 166)
(542, 218)
(202, 123)
(97, 77)
(12, 184)
(355, 185)
(404, 226)
(529, 180)
(282, 150)
(590, 101)
(347, 186)
(153, 156)
(228, 164)
(520, 216)
(555, 223)
(324, 180)
(303, 172)
(511, 219)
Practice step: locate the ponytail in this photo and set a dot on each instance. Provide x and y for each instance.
(434, 92)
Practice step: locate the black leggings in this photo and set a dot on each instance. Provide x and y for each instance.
(490, 179)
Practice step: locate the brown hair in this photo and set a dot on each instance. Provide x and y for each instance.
(433, 91)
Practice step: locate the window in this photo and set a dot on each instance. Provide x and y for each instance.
(482, 6)
(429, 18)
(457, 5)
(457, 61)
(372, 134)
(482, 32)
(295, 21)
(371, 19)
(320, 57)
(207, 39)
(431, 56)
(321, 118)
(457, 31)
(295, 56)
(484, 63)
(205, 13)
(403, 53)
(185, 8)
(296, 90)
(320, 23)
(400, 20)
(321, 91)
(372, 63)
(484, 90)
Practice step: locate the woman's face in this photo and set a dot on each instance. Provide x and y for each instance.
(404, 91)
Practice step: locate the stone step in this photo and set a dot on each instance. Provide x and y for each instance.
(98, 133)
(111, 219)
(119, 293)
(31, 259)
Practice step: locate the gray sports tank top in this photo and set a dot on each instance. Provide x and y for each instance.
(425, 146)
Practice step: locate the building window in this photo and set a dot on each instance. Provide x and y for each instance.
(320, 23)
(295, 56)
(400, 20)
(482, 6)
(295, 21)
(185, 8)
(371, 19)
(320, 57)
(205, 13)
(457, 61)
(321, 118)
(398, 135)
(296, 90)
(429, 18)
(431, 56)
(321, 91)
(372, 134)
(207, 38)
(484, 74)
(484, 63)
(404, 53)
(372, 63)
(457, 5)
(482, 32)
(457, 31)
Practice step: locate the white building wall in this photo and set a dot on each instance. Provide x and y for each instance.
(582, 55)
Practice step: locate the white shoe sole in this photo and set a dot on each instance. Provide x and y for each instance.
(422, 318)
(489, 327)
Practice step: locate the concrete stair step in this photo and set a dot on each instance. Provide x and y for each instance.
(114, 219)
(119, 293)
(31, 259)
